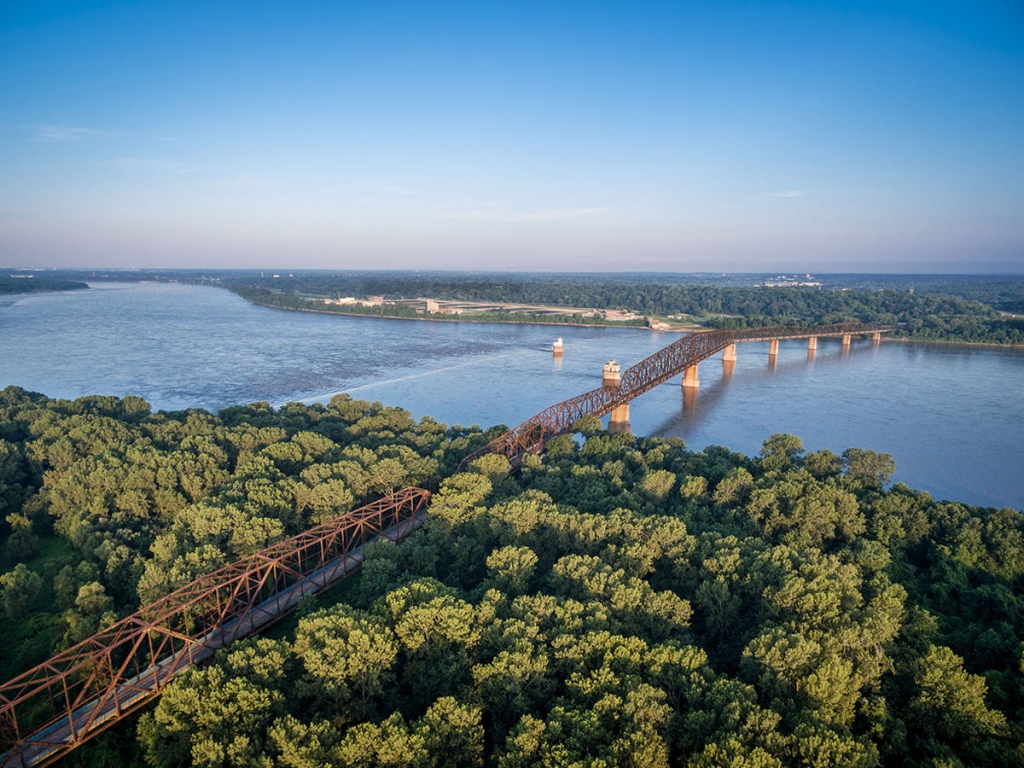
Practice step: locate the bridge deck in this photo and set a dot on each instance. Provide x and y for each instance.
(530, 436)
(51, 709)
(86, 703)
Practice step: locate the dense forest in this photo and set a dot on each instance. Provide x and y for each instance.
(107, 505)
(619, 601)
(922, 315)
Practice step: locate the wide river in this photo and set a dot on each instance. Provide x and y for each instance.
(951, 415)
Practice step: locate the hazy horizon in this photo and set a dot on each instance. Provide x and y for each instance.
(291, 270)
(878, 138)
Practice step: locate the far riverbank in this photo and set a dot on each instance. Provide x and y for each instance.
(481, 317)
(491, 319)
(946, 412)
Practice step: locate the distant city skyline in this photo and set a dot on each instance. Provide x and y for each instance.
(682, 137)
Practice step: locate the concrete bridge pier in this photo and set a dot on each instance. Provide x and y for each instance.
(690, 378)
(812, 344)
(619, 421)
(876, 337)
(773, 350)
(846, 340)
(612, 376)
(729, 360)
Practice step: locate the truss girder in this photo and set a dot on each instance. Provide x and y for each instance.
(49, 710)
(54, 707)
(530, 436)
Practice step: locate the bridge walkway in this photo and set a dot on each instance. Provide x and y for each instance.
(530, 436)
(51, 709)
(58, 705)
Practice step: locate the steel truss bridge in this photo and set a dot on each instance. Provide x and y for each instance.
(532, 434)
(48, 711)
(55, 707)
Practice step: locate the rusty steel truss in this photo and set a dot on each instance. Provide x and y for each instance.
(49, 710)
(58, 705)
(530, 436)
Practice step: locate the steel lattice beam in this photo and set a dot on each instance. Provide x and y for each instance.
(51, 709)
(530, 436)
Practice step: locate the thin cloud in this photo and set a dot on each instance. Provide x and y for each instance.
(156, 164)
(398, 189)
(239, 181)
(790, 193)
(66, 133)
(502, 215)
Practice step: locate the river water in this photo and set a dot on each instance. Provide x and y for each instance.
(950, 415)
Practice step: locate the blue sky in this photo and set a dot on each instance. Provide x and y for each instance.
(731, 136)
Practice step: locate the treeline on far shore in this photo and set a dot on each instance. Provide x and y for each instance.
(283, 300)
(971, 309)
(940, 317)
(34, 284)
(619, 601)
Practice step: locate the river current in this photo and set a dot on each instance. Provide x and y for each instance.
(951, 415)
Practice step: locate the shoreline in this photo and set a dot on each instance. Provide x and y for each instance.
(462, 320)
(991, 344)
(889, 339)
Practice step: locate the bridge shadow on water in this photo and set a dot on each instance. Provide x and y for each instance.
(697, 406)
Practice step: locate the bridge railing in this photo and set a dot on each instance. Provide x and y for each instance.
(55, 706)
(690, 350)
(671, 361)
(529, 437)
(52, 708)
(783, 332)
